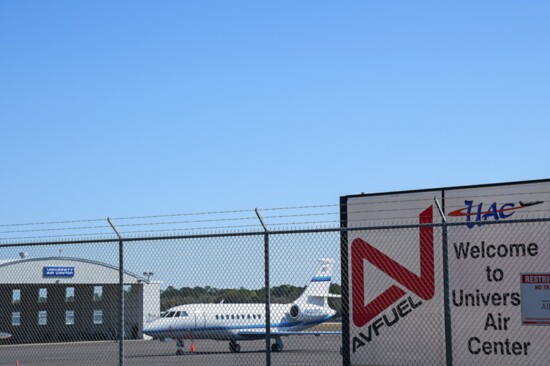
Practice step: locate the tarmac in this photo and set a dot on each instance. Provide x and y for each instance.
(298, 351)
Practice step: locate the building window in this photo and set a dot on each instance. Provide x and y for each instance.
(98, 293)
(16, 318)
(16, 296)
(69, 294)
(69, 317)
(42, 317)
(98, 316)
(43, 295)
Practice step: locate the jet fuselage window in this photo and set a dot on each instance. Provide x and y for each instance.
(248, 316)
(217, 317)
(232, 316)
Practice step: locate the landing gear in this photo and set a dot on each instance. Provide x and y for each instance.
(234, 347)
(179, 344)
(277, 346)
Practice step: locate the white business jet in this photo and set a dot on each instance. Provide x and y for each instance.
(243, 322)
(4, 335)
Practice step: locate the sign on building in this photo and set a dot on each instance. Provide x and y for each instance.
(57, 271)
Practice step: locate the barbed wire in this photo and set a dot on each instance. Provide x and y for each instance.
(385, 203)
(52, 222)
(55, 229)
(100, 234)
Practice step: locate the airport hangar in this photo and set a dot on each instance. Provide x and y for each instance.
(62, 299)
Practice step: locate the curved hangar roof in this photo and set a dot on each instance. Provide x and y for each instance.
(62, 270)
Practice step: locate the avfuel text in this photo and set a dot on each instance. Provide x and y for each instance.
(389, 319)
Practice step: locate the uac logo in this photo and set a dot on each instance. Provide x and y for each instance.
(475, 214)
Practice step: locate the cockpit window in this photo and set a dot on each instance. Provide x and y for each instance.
(170, 314)
(184, 314)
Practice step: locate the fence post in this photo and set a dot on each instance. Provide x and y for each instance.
(344, 269)
(267, 293)
(121, 295)
(446, 297)
(446, 291)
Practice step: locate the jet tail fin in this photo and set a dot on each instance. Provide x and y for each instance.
(317, 291)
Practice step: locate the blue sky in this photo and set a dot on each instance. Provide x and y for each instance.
(135, 108)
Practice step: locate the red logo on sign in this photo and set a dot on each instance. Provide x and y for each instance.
(423, 286)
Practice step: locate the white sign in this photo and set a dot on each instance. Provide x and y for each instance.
(485, 263)
(535, 298)
(392, 322)
(396, 304)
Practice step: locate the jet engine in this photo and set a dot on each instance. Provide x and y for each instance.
(304, 312)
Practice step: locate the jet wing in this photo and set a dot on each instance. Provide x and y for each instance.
(262, 332)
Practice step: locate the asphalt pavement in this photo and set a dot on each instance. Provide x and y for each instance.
(298, 351)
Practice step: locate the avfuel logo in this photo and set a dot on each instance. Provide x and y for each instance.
(422, 286)
(475, 214)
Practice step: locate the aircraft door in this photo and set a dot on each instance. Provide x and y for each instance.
(200, 320)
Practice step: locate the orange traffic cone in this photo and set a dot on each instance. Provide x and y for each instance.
(192, 347)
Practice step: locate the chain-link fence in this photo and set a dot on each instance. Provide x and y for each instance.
(202, 300)
(173, 299)
(462, 297)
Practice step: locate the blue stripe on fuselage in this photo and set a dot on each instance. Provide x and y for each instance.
(234, 327)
